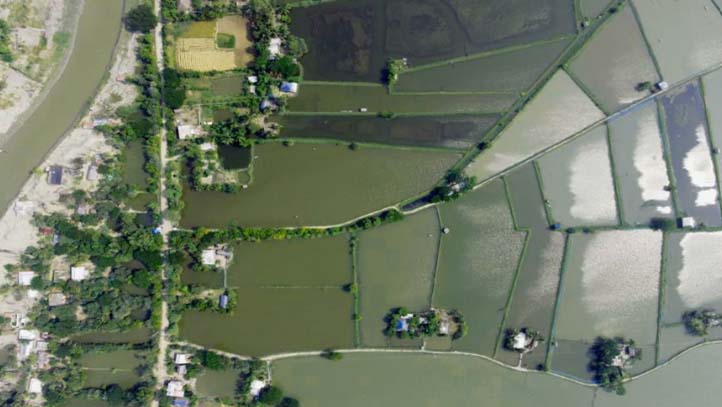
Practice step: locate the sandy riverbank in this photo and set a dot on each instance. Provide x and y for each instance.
(37, 196)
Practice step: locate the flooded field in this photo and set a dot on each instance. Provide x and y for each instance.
(611, 287)
(233, 158)
(693, 282)
(639, 166)
(449, 131)
(294, 186)
(290, 297)
(396, 269)
(347, 98)
(578, 181)
(592, 8)
(560, 110)
(712, 85)
(478, 260)
(353, 39)
(612, 72)
(511, 71)
(684, 36)
(532, 305)
(686, 131)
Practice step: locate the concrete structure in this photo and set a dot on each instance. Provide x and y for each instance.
(290, 88)
(79, 273)
(25, 278)
(660, 86)
(55, 175)
(182, 359)
(92, 173)
(223, 301)
(35, 386)
(274, 47)
(687, 222)
(27, 335)
(57, 299)
(175, 389)
(208, 257)
(187, 131)
(256, 387)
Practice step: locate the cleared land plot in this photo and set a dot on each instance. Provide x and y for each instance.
(318, 185)
(275, 320)
(396, 269)
(397, 379)
(611, 71)
(684, 35)
(592, 8)
(478, 260)
(289, 295)
(334, 98)
(639, 166)
(693, 282)
(352, 39)
(511, 71)
(532, 305)
(196, 48)
(611, 287)
(291, 263)
(560, 110)
(686, 131)
(712, 85)
(578, 181)
(449, 131)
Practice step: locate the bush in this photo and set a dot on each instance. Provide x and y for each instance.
(141, 19)
(271, 395)
(286, 67)
(225, 40)
(289, 402)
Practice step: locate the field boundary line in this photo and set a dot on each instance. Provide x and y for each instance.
(353, 246)
(618, 198)
(662, 293)
(583, 87)
(667, 153)
(648, 44)
(434, 277)
(551, 342)
(710, 141)
(304, 140)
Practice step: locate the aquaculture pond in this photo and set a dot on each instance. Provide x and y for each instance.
(233, 157)
(639, 166)
(396, 265)
(218, 383)
(447, 131)
(294, 186)
(511, 70)
(290, 298)
(610, 288)
(535, 293)
(690, 155)
(559, 111)
(612, 72)
(712, 90)
(692, 282)
(348, 98)
(684, 36)
(133, 336)
(407, 380)
(577, 180)
(353, 39)
(592, 8)
(478, 259)
(98, 29)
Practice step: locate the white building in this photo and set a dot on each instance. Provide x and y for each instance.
(182, 359)
(25, 278)
(256, 387)
(175, 389)
(186, 131)
(274, 47)
(35, 386)
(27, 335)
(208, 257)
(79, 273)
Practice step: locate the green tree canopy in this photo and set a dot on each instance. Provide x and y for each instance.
(141, 19)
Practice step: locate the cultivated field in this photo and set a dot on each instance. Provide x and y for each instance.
(197, 48)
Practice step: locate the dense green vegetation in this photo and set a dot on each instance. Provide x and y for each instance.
(609, 358)
(405, 325)
(225, 40)
(141, 19)
(699, 321)
(5, 52)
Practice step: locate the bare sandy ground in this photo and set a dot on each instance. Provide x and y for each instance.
(37, 196)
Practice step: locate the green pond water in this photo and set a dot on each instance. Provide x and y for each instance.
(318, 185)
(396, 269)
(532, 305)
(611, 72)
(477, 262)
(405, 380)
(233, 158)
(290, 298)
(558, 111)
(448, 131)
(97, 32)
(133, 161)
(511, 71)
(218, 383)
(352, 40)
(684, 36)
(335, 98)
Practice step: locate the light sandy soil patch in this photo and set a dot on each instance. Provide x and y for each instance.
(559, 111)
(698, 165)
(700, 280)
(16, 96)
